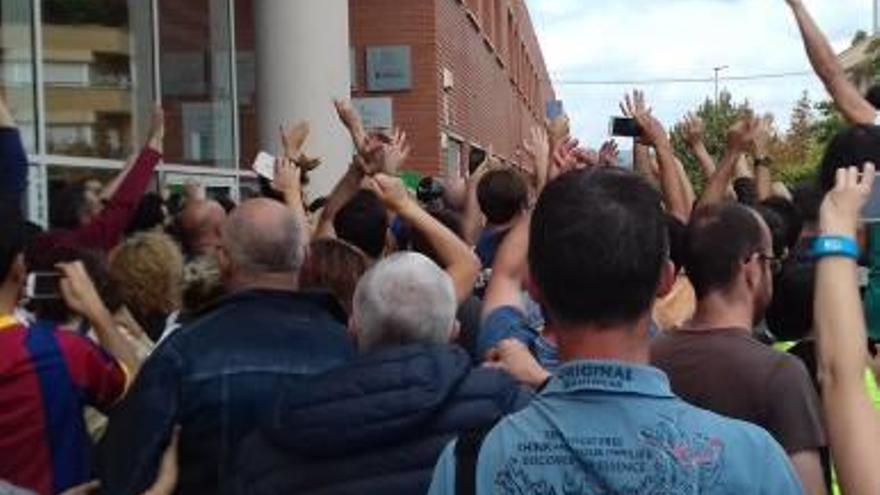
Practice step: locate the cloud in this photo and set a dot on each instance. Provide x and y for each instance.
(644, 39)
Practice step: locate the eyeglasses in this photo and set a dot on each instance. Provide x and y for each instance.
(774, 262)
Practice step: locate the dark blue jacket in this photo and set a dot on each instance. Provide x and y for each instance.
(13, 167)
(216, 378)
(377, 425)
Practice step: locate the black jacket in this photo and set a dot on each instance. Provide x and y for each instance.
(377, 425)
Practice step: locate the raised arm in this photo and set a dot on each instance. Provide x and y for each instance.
(472, 219)
(854, 107)
(763, 160)
(509, 270)
(693, 132)
(13, 159)
(80, 295)
(739, 138)
(654, 135)
(457, 258)
(853, 424)
(643, 164)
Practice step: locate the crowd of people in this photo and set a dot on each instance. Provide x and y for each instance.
(570, 326)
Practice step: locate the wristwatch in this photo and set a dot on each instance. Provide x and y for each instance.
(825, 246)
(763, 161)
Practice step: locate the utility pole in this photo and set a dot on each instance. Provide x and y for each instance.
(876, 18)
(718, 71)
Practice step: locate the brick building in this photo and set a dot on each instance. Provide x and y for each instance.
(476, 75)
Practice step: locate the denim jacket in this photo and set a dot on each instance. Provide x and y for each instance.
(216, 378)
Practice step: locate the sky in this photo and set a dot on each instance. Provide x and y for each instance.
(635, 40)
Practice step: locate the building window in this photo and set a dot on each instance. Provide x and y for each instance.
(92, 51)
(194, 46)
(452, 157)
(16, 66)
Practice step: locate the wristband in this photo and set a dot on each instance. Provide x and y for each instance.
(826, 246)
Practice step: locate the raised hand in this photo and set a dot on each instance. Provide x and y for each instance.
(692, 130)
(564, 158)
(842, 207)
(351, 119)
(79, 291)
(538, 147)
(609, 154)
(515, 358)
(634, 106)
(288, 177)
(156, 138)
(742, 133)
(762, 137)
(293, 139)
(390, 190)
(393, 155)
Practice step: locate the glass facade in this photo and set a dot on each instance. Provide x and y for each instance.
(81, 76)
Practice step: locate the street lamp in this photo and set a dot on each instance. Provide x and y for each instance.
(717, 71)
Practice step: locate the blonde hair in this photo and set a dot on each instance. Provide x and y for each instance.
(148, 270)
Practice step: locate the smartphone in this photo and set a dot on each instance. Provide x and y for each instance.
(624, 127)
(43, 285)
(476, 158)
(264, 165)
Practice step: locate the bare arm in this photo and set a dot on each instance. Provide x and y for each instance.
(853, 426)
(808, 466)
(472, 219)
(690, 195)
(288, 181)
(155, 142)
(80, 295)
(846, 96)
(509, 270)
(643, 163)
(344, 190)
(654, 134)
(738, 141)
(457, 258)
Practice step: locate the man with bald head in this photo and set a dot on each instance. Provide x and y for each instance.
(217, 377)
(199, 226)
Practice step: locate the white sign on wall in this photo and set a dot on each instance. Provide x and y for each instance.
(377, 113)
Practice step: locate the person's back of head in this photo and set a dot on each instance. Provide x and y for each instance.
(807, 199)
(335, 266)
(597, 248)
(148, 271)
(261, 241)
(746, 191)
(502, 195)
(405, 299)
(778, 229)
(363, 222)
(720, 239)
(149, 216)
(198, 227)
(68, 207)
(791, 217)
(853, 146)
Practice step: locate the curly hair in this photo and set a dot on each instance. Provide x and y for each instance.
(148, 270)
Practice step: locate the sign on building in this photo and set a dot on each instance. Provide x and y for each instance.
(389, 68)
(377, 113)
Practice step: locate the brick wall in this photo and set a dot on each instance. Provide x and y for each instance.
(404, 22)
(500, 81)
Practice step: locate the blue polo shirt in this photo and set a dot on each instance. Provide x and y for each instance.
(608, 427)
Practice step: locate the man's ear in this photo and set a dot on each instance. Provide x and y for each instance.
(455, 332)
(667, 279)
(751, 272)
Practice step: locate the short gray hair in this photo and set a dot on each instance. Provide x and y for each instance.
(261, 237)
(404, 299)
